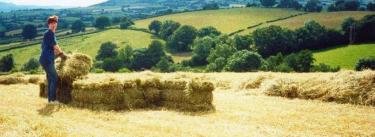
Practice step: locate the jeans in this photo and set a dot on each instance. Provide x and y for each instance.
(51, 79)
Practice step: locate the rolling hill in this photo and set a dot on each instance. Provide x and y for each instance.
(225, 20)
(328, 19)
(88, 44)
(346, 56)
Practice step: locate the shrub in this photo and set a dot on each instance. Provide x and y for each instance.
(324, 68)
(201, 50)
(107, 50)
(78, 26)
(301, 61)
(365, 63)
(208, 31)
(182, 38)
(32, 64)
(126, 23)
(6, 63)
(217, 65)
(124, 70)
(29, 31)
(243, 61)
(98, 70)
(102, 22)
(155, 26)
(111, 64)
(168, 28)
(164, 65)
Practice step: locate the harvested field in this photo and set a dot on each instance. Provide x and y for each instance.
(239, 112)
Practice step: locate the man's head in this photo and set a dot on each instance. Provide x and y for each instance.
(52, 22)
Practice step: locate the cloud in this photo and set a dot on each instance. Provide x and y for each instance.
(69, 3)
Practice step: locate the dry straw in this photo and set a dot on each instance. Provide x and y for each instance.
(16, 78)
(343, 87)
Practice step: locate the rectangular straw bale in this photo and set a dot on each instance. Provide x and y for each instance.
(13, 79)
(105, 92)
(174, 84)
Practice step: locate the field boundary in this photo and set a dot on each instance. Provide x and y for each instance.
(267, 22)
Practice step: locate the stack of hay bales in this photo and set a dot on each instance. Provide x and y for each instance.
(344, 87)
(18, 78)
(73, 68)
(112, 94)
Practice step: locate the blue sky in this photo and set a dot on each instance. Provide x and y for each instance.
(65, 3)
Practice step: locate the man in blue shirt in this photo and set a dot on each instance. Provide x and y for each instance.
(50, 49)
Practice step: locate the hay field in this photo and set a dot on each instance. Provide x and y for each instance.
(328, 19)
(238, 112)
(88, 44)
(225, 20)
(346, 56)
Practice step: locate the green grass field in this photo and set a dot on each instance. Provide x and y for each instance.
(346, 57)
(225, 20)
(328, 19)
(88, 44)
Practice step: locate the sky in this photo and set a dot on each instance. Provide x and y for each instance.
(64, 3)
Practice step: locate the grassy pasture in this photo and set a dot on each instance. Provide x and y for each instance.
(88, 44)
(346, 56)
(225, 20)
(328, 19)
(238, 113)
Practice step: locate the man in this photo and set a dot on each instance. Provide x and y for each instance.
(50, 49)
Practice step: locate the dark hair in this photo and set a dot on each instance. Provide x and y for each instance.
(52, 19)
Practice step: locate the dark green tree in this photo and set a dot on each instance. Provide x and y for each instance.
(140, 59)
(208, 31)
(313, 6)
(211, 6)
(78, 26)
(274, 39)
(301, 61)
(164, 65)
(6, 63)
(155, 52)
(365, 63)
(201, 50)
(126, 56)
(155, 26)
(311, 36)
(111, 64)
(32, 64)
(268, 3)
(371, 6)
(29, 31)
(126, 23)
(107, 50)
(168, 28)
(242, 42)
(243, 61)
(102, 22)
(182, 39)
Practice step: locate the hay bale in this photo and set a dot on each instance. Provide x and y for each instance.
(344, 87)
(252, 84)
(16, 78)
(35, 80)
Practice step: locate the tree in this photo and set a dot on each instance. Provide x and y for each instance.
(164, 65)
(168, 28)
(221, 51)
(344, 5)
(182, 38)
(313, 6)
(201, 50)
(217, 65)
(274, 39)
(365, 63)
(155, 52)
(29, 31)
(111, 64)
(243, 61)
(107, 50)
(365, 31)
(126, 56)
(2, 31)
(102, 22)
(126, 23)
(141, 61)
(155, 26)
(242, 42)
(289, 4)
(78, 26)
(211, 6)
(268, 3)
(371, 6)
(301, 61)
(347, 24)
(116, 20)
(32, 64)
(273, 62)
(208, 31)
(6, 63)
(311, 36)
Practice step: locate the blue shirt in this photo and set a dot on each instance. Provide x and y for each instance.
(49, 41)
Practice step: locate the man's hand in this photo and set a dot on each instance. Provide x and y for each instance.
(62, 56)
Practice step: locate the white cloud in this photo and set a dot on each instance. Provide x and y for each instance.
(70, 3)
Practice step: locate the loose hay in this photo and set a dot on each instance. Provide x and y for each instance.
(344, 87)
